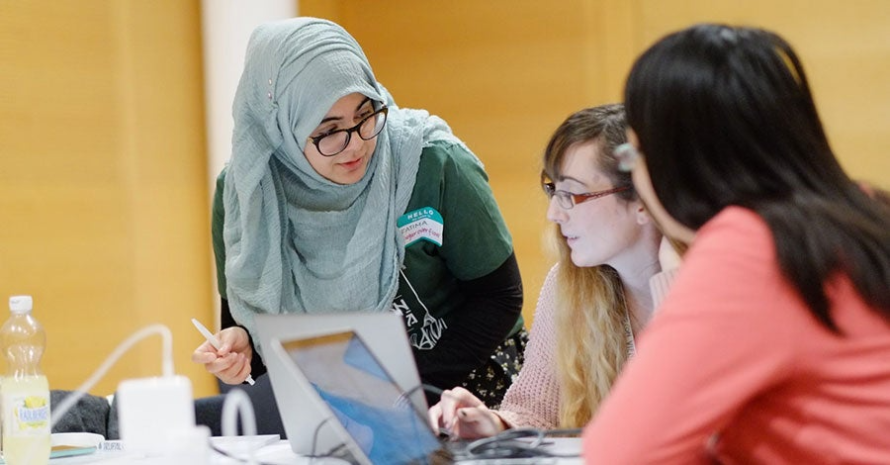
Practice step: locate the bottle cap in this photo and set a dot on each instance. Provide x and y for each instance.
(20, 303)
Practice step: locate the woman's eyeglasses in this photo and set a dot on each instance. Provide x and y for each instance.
(335, 142)
(627, 156)
(567, 200)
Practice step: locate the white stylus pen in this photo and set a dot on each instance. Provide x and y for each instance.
(214, 342)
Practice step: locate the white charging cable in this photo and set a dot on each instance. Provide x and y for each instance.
(166, 366)
(72, 399)
(237, 402)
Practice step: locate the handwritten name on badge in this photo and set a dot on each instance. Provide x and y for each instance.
(423, 224)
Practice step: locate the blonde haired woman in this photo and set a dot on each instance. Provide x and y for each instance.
(596, 299)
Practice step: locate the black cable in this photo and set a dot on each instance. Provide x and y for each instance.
(563, 432)
(404, 397)
(427, 388)
(334, 452)
(339, 451)
(233, 456)
(510, 443)
(315, 435)
(513, 443)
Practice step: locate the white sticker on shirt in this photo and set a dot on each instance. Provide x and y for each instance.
(423, 224)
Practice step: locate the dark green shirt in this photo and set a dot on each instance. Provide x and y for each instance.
(475, 240)
(432, 295)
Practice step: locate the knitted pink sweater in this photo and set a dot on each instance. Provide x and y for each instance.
(533, 399)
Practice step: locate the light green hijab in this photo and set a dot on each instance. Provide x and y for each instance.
(296, 242)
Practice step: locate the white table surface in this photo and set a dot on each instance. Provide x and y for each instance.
(277, 452)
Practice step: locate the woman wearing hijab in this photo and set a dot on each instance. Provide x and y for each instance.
(337, 200)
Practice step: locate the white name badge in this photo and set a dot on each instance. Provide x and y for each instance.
(423, 224)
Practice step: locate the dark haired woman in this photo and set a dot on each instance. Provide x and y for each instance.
(773, 345)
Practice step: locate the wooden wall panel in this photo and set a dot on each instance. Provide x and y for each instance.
(845, 49)
(505, 73)
(103, 202)
(103, 206)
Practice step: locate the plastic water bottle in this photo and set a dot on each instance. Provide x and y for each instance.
(24, 390)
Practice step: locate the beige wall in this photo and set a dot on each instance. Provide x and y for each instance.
(103, 199)
(505, 73)
(103, 202)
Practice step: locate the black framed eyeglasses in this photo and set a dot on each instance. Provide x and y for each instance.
(334, 142)
(567, 200)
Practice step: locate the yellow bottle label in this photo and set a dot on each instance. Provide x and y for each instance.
(32, 413)
(26, 410)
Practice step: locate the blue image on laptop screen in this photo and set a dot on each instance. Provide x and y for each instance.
(375, 412)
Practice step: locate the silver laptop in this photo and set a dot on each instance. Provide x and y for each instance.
(371, 415)
(302, 413)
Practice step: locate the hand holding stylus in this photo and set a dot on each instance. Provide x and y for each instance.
(233, 360)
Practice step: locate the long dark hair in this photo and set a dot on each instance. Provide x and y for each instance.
(725, 116)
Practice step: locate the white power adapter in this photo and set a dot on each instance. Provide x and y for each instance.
(155, 412)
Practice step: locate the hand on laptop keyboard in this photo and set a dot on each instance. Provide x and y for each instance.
(464, 416)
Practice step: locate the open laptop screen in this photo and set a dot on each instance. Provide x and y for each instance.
(365, 400)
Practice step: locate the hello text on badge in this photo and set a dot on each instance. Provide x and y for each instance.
(423, 224)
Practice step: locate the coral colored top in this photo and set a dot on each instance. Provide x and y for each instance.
(735, 367)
